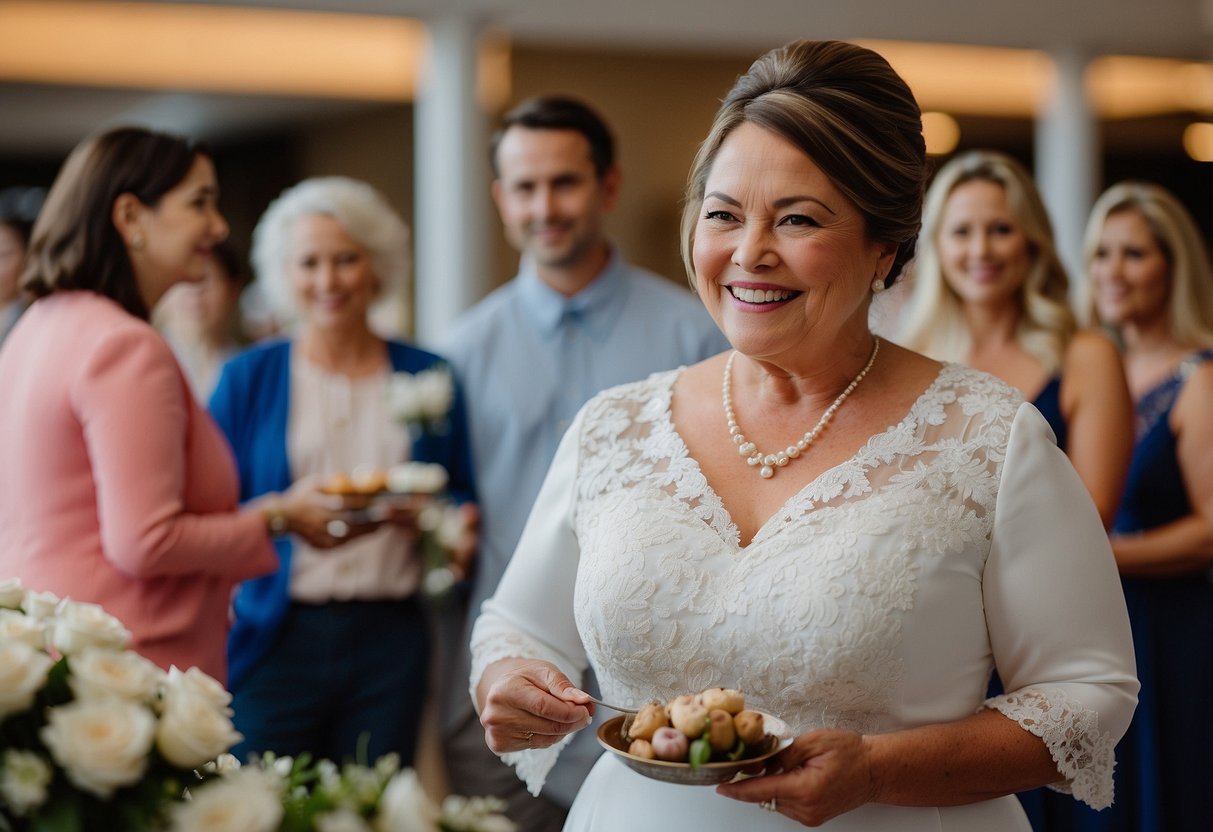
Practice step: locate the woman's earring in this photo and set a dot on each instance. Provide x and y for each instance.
(878, 286)
(137, 242)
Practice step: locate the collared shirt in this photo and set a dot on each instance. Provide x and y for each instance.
(528, 358)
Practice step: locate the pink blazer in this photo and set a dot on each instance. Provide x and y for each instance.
(115, 486)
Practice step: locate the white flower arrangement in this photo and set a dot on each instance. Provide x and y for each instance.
(278, 793)
(94, 736)
(421, 400)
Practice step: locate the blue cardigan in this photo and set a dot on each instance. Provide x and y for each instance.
(250, 404)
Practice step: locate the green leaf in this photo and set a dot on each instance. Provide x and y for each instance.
(59, 815)
(701, 752)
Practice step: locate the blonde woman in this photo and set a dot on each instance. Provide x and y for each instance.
(990, 292)
(1151, 280)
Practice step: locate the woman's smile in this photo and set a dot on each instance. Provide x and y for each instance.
(759, 297)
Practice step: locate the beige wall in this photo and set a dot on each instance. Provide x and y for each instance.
(660, 108)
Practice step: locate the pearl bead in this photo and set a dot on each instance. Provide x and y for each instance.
(767, 463)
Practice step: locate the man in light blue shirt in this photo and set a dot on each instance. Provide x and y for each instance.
(576, 319)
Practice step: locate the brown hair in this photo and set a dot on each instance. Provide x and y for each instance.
(557, 113)
(850, 113)
(75, 244)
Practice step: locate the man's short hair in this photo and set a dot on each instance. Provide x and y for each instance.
(557, 113)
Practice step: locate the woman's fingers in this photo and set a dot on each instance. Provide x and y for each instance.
(532, 707)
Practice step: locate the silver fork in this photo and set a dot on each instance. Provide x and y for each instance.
(619, 708)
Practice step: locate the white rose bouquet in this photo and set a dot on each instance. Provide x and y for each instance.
(96, 737)
(92, 735)
(284, 793)
(422, 400)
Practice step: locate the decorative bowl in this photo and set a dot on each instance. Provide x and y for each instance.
(778, 737)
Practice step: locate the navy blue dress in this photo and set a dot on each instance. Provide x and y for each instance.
(1164, 764)
(1043, 804)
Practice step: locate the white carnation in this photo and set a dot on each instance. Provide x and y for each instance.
(80, 625)
(192, 731)
(405, 807)
(102, 671)
(102, 744)
(247, 800)
(12, 593)
(24, 777)
(20, 627)
(23, 672)
(40, 605)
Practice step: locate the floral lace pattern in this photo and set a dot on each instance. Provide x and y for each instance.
(858, 605)
(1083, 755)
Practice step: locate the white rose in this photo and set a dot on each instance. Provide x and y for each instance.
(102, 671)
(192, 731)
(402, 397)
(341, 820)
(198, 683)
(223, 765)
(80, 625)
(102, 744)
(22, 674)
(451, 527)
(12, 593)
(21, 627)
(434, 393)
(24, 777)
(40, 605)
(405, 807)
(248, 800)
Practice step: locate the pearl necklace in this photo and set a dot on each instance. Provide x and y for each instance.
(767, 463)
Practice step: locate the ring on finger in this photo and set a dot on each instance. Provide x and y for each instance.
(769, 805)
(337, 528)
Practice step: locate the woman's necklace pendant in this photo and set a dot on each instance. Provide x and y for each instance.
(767, 463)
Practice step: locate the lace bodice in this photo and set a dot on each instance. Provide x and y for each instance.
(878, 597)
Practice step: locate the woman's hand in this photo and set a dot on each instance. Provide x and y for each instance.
(821, 775)
(529, 704)
(311, 514)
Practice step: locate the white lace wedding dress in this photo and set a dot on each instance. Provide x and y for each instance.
(878, 598)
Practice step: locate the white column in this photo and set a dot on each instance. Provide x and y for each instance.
(452, 207)
(1068, 163)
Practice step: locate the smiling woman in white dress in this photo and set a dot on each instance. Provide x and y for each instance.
(918, 526)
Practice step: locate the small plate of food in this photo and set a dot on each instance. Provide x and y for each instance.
(696, 740)
(367, 493)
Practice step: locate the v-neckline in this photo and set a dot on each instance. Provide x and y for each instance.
(731, 534)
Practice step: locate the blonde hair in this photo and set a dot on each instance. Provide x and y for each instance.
(848, 111)
(1191, 296)
(935, 323)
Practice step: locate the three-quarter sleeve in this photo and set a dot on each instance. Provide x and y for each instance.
(531, 613)
(1056, 614)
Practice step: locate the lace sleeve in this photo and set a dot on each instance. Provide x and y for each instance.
(1056, 614)
(1083, 754)
(531, 614)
